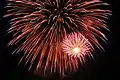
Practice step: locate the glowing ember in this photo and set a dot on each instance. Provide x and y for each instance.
(76, 50)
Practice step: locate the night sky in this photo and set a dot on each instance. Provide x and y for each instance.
(105, 66)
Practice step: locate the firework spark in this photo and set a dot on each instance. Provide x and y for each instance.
(42, 25)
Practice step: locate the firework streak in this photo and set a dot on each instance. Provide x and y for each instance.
(61, 33)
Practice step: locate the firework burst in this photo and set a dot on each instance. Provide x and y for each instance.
(55, 30)
(76, 45)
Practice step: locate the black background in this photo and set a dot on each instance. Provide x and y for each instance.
(106, 66)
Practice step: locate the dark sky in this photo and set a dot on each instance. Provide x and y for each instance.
(104, 68)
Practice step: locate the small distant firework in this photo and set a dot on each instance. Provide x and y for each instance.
(59, 32)
(76, 45)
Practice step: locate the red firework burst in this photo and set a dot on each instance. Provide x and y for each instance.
(44, 25)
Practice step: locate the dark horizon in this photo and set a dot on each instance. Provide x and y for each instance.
(105, 66)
